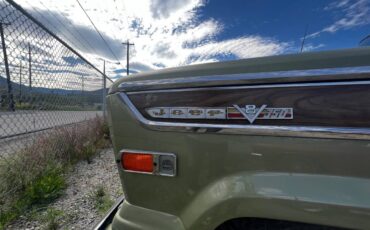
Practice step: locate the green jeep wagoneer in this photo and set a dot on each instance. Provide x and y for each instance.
(278, 142)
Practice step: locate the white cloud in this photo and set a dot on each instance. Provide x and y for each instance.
(176, 39)
(310, 47)
(169, 8)
(166, 33)
(356, 13)
(244, 47)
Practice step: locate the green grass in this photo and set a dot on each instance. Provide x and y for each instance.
(35, 176)
(46, 188)
(51, 218)
(42, 190)
(101, 199)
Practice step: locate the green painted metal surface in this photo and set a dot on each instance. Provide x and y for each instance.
(221, 177)
(301, 61)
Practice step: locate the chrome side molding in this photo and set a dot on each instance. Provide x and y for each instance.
(254, 130)
(274, 77)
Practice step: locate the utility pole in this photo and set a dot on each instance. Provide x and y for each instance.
(128, 44)
(29, 67)
(304, 38)
(8, 81)
(104, 90)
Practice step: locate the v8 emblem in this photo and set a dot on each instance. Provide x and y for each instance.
(250, 112)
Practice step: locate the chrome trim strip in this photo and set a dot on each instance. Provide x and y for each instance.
(257, 130)
(248, 78)
(364, 82)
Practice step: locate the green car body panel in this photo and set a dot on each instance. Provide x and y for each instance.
(316, 179)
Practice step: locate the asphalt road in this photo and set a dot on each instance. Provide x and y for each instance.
(23, 122)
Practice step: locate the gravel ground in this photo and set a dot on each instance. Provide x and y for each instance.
(76, 204)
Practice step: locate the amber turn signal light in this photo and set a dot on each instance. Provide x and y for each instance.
(138, 162)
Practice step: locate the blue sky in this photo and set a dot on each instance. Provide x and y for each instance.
(170, 33)
(287, 21)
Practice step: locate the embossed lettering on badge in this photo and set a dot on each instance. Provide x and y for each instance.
(247, 112)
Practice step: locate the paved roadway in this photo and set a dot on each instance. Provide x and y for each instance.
(23, 122)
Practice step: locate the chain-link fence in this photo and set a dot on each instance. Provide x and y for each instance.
(44, 83)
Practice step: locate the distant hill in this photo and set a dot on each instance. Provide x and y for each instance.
(41, 98)
(42, 90)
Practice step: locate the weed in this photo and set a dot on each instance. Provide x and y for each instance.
(101, 199)
(51, 218)
(99, 192)
(46, 188)
(42, 190)
(106, 131)
(35, 175)
(88, 151)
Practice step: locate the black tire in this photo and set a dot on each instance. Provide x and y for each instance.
(263, 224)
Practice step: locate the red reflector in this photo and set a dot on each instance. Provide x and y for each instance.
(137, 162)
(235, 115)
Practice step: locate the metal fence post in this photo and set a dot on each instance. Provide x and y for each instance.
(83, 91)
(104, 91)
(20, 83)
(8, 81)
(29, 67)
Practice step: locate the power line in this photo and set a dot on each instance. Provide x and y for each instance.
(364, 41)
(51, 25)
(53, 35)
(48, 21)
(69, 31)
(98, 31)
